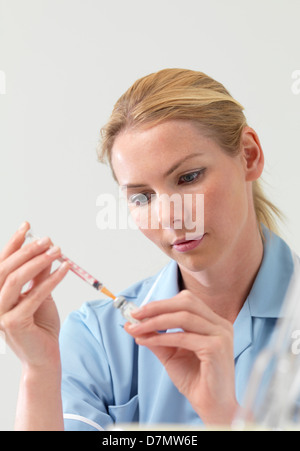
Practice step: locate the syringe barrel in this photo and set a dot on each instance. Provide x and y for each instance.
(73, 266)
(81, 272)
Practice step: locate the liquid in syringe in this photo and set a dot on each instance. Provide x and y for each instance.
(77, 270)
(125, 307)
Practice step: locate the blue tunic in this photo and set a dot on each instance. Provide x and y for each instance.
(108, 379)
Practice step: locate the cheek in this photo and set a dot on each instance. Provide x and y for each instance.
(191, 213)
(151, 234)
(142, 217)
(225, 202)
(154, 232)
(154, 235)
(145, 222)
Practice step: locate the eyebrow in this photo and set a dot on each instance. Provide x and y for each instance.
(168, 172)
(176, 165)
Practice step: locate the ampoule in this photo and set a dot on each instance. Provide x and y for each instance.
(125, 307)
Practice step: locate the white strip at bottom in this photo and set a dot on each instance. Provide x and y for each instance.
(71, 416)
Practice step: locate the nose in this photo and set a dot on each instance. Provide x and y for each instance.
(170, 211)
(181, 212)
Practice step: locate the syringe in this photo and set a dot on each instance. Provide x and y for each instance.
(77, 270)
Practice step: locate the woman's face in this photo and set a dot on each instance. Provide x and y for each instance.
(174, 160)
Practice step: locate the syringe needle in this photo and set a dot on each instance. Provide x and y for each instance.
(108, 293)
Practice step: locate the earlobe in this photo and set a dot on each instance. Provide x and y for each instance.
(252, 154)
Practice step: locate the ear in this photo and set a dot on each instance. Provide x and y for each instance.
(252, 154)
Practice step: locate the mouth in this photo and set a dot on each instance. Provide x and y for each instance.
(183, 245)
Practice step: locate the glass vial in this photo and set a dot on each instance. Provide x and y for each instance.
(125, 307)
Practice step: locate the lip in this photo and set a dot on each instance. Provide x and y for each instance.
(183, 245)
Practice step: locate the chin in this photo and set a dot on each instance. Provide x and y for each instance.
(193, 263)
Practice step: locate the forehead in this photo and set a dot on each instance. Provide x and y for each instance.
(158, 146)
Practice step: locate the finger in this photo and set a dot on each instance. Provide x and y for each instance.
(184, 320)
(39, 293)
(13, 284)
(15, 241)
(189, 341)
(43, 243)
(21, 256)
(36, 280)
(43, 275)
(22, 314)
(183, 301)
(40, 277)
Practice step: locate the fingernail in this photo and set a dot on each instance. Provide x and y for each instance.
(43, 241)
(133, 326)
(137, 311)
(30, 285)
(63, 266)
(22, 227)
(53, 250)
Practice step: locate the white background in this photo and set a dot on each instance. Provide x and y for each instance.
(66, 62)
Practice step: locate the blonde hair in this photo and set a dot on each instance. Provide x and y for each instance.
(187, 95)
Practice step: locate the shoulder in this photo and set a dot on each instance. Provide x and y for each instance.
(274, 276)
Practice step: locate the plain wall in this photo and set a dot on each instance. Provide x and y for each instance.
(64, 63)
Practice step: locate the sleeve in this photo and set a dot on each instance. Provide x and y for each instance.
(86, 379)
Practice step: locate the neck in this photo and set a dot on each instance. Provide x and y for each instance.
(226, 285)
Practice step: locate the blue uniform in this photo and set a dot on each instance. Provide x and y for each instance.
(108, 379)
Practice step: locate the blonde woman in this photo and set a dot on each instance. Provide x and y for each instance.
(203, 318)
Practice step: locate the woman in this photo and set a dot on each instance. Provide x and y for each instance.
(188, 359)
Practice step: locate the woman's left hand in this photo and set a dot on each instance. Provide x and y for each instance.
(199, 359)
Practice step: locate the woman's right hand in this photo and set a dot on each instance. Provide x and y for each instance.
(30, 320)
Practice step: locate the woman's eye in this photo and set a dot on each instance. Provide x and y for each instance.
(139, 199)
(190, 177)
